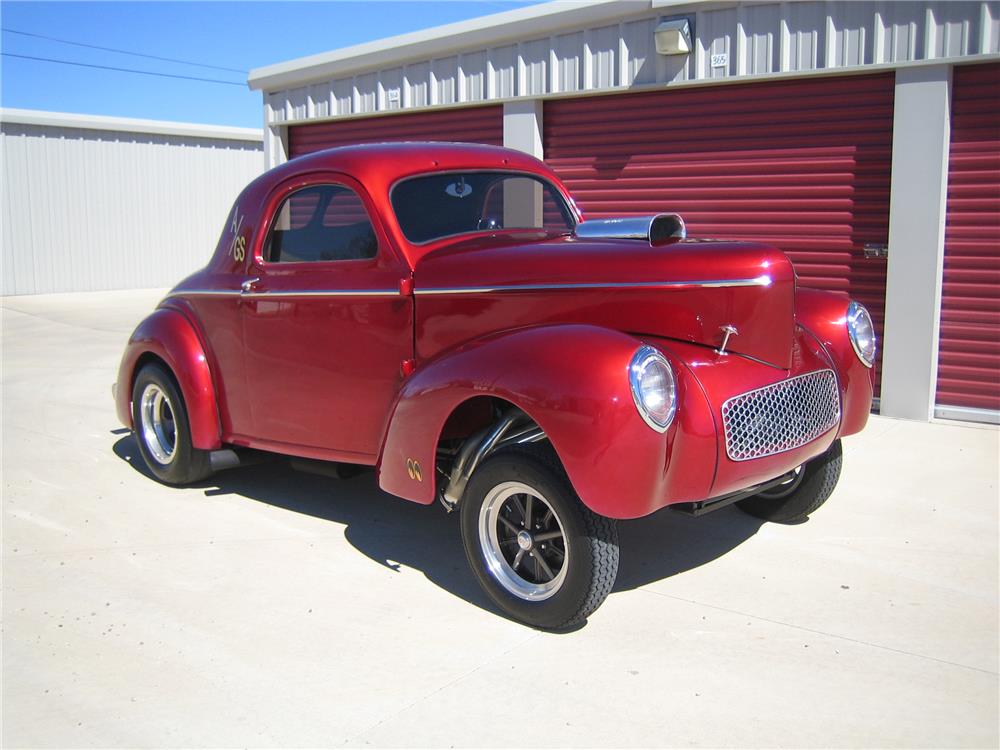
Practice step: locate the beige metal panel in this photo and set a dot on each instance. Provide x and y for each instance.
(342, 96)
(319, 100)
(473, 76)
(716, 31)
(297, 106)
(637, 38)
(567, 62)
(758, 39)
(534, 67)
(503, 77)
(604, 48)
(86, 210)
(390, 91)
(417, 89)
(366, 93)
(445, 80)
(588, 53)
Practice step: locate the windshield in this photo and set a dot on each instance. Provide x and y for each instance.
(447, 204)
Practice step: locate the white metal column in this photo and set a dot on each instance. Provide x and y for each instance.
(921, 137)
(275, 145)
(522, 126)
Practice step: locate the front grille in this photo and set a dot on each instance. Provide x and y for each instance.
(780, 417)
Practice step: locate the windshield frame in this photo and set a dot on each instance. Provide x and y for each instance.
(570, 209)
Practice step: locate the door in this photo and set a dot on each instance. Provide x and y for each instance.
(803, 165)
(968, 385)
(483, 124)
(326, 328)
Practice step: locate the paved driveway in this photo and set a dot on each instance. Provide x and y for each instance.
(272, 608)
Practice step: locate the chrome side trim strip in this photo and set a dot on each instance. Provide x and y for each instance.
(707, 284)
(204, 293)
(287, 293)
(327, 293)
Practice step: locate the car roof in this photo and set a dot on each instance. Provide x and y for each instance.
(379, 165)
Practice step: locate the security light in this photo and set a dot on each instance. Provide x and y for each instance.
(673, 37)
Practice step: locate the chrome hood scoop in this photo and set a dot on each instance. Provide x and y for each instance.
(656, 229)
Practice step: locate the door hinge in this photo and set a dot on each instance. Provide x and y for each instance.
(876, 250)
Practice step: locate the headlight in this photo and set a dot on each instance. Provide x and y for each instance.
(861, 332)
(653, 387)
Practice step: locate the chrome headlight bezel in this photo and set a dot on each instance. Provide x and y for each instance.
(857, 318)
(645, 359)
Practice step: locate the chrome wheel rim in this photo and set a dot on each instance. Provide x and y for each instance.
(159, 431)
(786, 488)
(523, 542)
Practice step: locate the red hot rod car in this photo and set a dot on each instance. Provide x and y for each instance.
(443, 313)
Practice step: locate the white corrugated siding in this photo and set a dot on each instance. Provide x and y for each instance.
(86, 210)
(751, 39)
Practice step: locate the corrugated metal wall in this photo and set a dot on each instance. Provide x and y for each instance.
(731, 40)
(469, 125)
(777, 161)
(86, 210)
(969, 360)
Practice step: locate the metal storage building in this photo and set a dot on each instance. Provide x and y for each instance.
(863, 138)
(91, 203)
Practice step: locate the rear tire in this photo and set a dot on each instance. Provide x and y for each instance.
(811, 487)
(539, 553)
(162, 429)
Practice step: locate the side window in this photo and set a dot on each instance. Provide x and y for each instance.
(321, 223)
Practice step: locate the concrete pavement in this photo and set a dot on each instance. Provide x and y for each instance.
(272, 608)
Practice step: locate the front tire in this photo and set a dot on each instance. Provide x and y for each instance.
(162, 430)
(811, 486)
(539, 553)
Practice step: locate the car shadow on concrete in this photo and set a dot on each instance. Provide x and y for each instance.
(393, 532)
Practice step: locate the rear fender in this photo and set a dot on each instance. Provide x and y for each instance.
(167, 335)
(572, 380)
(824, 315)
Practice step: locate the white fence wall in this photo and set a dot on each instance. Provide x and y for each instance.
(104, 203)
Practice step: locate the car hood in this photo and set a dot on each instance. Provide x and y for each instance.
(689, 290)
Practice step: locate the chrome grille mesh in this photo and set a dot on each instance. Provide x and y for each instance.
(780, 417)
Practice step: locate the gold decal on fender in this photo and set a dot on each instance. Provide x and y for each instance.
(238, 247)
(413, 470)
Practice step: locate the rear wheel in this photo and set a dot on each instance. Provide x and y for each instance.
(539, 553)
(803, 493)
(162, 429)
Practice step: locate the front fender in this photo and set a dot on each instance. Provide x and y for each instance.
(824, 315)
(573, 381)
(169, 336)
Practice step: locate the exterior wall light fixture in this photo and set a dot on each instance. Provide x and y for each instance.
(673, 37)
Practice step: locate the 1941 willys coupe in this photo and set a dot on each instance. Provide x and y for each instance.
(443, 313)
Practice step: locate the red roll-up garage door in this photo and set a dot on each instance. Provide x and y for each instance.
(467, 125)
(969, 363)
(802, 164)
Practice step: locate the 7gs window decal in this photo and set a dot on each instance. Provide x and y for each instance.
(238, 244)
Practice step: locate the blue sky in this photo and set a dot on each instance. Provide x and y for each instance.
(240, 35)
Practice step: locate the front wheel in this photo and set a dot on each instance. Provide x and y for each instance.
(541, 555)
(805, 491)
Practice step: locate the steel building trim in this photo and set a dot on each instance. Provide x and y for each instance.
(647, 88)
(127, 125)
(612, 51)
(431, 43)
